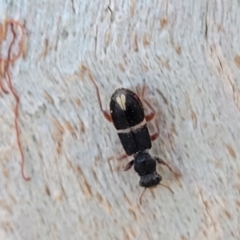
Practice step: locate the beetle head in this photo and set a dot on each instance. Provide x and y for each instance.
(150, 180)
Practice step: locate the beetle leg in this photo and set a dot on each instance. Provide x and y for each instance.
(122, 157)
(105, 113)
(160, 161)
(129, 165)
(155, 135)
(151, 115)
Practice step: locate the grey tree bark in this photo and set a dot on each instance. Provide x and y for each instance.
(189, 54)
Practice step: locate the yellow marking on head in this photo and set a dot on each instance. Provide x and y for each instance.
(121, 100)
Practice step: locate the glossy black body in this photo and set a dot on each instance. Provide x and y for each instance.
(127, 116)
(145, 166)
(137, 139)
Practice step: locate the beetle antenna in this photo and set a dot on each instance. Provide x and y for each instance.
(140, 199)
(167, 187)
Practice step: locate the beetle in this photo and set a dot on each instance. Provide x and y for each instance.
(127, 115)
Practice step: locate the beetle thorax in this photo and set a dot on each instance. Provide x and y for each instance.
(144, 164)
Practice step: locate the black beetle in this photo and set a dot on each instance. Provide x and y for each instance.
(127, 115)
